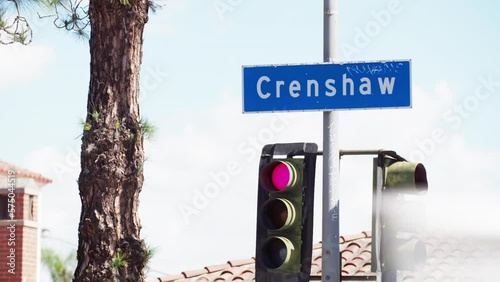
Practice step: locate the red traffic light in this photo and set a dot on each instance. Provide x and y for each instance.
(278, 176)
(285, 205)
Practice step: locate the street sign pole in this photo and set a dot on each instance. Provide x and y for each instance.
(331, 220)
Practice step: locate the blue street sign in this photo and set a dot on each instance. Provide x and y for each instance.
(325, 87)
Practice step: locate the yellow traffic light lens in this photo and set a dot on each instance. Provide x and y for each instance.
(278, 176)
(276, 252)
(278, 214)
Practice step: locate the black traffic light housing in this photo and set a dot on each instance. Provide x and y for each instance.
(397, 220)
(285, 208)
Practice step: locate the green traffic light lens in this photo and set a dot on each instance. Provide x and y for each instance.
(278, 214)
(278, 176)
(276, 252)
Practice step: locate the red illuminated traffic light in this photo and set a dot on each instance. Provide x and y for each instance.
(285, 212)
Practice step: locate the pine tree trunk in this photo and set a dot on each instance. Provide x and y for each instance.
(109, 245)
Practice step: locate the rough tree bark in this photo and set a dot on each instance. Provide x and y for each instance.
(109, 245)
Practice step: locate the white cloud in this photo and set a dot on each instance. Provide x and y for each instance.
(23, 63)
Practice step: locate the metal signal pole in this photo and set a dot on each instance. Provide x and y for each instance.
(331, 271)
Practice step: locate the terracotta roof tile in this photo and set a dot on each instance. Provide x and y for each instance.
(315, 268)
(365, 255)
(349, 268)
(240, 262)
(170, 278)
(193, 273)
(225, 276)
(247, 275)
(349, 238)
(21, 172)
(214, 268)
(317, 245)
(367, 268)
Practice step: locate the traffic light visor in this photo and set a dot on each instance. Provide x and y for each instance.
(421, 178)
(278, 176)
(411, 177)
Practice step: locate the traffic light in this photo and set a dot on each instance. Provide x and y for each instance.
(285, 212)
(400, 217)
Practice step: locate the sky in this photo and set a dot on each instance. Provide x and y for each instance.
(191, 89)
